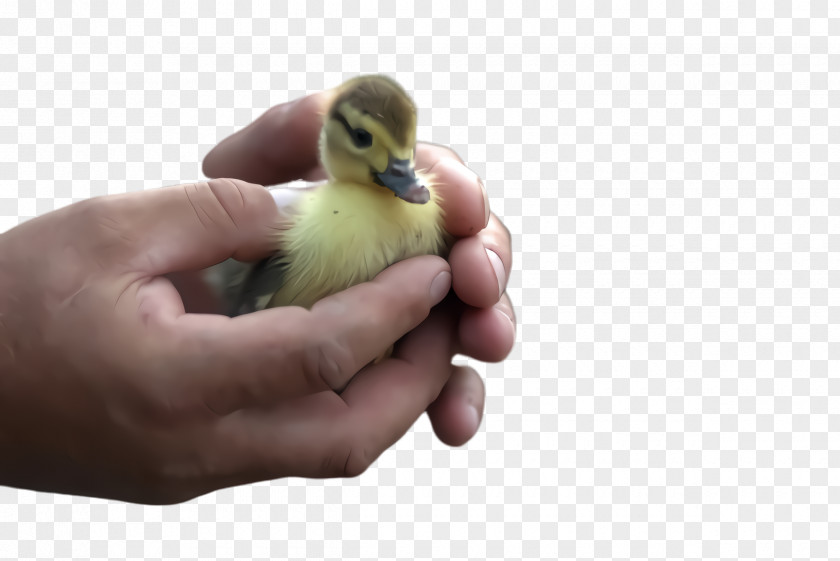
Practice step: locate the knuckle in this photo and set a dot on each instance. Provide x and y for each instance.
(206, 204)
(333, 462)
(326, 362)
(222, 201)
(342, 461)
(242, 201)
(344, 450)
(356, 464)
(335, 454)
(357, 460)
(231, 193)
(316, 352)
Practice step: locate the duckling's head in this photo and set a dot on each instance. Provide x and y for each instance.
(369, 136)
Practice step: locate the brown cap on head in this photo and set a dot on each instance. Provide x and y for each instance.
(384, 100)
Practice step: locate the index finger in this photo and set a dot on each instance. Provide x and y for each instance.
(280, 146)
(282, 353)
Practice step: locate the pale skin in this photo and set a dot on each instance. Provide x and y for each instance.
(112, 385)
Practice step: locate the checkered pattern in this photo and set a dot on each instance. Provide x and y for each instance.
(670, 173)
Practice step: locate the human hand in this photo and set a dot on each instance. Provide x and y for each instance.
(280, 146)
(109, 388)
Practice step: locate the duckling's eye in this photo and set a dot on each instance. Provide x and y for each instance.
(361, 138)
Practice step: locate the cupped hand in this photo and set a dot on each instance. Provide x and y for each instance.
(281, 146)
(108, 387)
(112, 386)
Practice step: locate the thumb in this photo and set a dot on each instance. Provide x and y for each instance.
(193, 226)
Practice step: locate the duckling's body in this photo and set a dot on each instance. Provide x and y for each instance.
(372, 212)
(343, 234)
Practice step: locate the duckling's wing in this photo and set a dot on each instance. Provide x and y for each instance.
(225, 281)
(242, 288)
(248, 287)
(259, 285)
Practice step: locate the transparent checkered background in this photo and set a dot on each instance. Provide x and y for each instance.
(671, 178)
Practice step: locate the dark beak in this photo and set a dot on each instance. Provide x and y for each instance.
(399, 177)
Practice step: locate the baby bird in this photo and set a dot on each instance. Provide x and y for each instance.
(374, 210)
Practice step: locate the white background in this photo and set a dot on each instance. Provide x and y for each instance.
(670, 176)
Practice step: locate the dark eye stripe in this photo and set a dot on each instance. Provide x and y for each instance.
(360, 137)
(340, 118)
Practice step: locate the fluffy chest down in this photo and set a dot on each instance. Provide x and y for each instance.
(346, 234)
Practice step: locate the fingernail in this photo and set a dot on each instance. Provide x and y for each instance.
(498, 267)
(486, 202)
(440, 287)
(475, 416)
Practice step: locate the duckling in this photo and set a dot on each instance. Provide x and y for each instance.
(374, 210)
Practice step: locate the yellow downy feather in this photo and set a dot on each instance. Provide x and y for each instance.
(343, 234)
